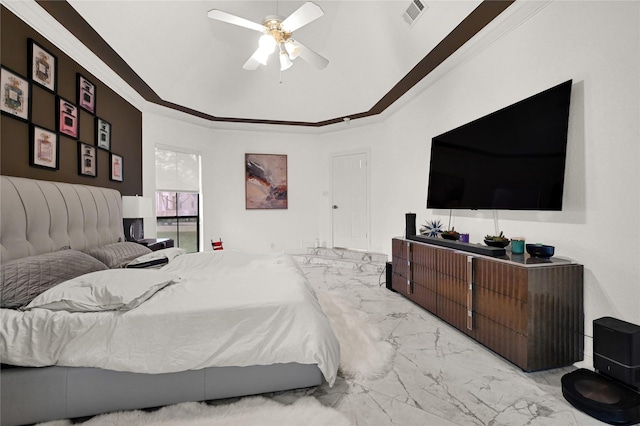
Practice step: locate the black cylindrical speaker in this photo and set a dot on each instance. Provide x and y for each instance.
(410, 228)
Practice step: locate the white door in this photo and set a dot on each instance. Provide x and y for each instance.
(350, 201)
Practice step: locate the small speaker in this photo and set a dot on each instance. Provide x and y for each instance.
(410, 228)
(616, 350)
(389, 275)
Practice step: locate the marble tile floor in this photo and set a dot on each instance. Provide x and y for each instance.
(440, 377)
(341, 258)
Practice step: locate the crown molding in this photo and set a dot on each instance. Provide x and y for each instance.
(509, 20)
(495, 21)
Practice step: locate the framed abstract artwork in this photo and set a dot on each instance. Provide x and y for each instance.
(43, 66)
(266, 181)
(86, 91)
(87, 161)
(67, 118)
(103, 134)
(16, 94)
(117, 167)
(44, 149)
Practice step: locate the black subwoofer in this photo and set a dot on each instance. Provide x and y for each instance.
(389, 275)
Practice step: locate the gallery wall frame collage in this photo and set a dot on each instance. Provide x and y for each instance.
(44, 143)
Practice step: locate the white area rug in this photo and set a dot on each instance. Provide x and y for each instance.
(254, 410)
(363, 355)
(363, 352)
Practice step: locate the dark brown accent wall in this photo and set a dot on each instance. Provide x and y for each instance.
(125, 119)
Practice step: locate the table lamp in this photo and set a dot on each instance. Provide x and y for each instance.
(133, 210)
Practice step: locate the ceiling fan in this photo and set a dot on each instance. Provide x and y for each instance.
(276, 33)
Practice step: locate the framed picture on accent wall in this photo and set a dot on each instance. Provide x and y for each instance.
(44, 149)
(266, 181)
(15, 93)
(67, 118)
(43, 66)
(117, 167)
(103, 134)
(86, 91)
(87, 162)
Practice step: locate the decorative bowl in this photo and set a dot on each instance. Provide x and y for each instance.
(497, 243)
(540, 250)
(450, 236)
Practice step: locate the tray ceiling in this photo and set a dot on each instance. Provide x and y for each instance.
(192, 63)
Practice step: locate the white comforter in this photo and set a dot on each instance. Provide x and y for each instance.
(230, 309)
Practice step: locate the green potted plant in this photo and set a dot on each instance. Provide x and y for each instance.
(451, 234)
(496, 240)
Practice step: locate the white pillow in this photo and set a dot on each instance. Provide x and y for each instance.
(157, 258)
(108, 290)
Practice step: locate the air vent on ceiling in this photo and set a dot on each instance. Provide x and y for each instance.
(414, 11)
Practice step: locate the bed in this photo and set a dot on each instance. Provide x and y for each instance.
(204, 326)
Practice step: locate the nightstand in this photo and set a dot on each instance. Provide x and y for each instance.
(156, 243)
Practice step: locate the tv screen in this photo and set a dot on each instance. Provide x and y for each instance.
(511, 159)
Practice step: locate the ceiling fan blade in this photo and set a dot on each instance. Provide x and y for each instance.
(312, 57)
(235, 20)
(253, 62)
(306, 13)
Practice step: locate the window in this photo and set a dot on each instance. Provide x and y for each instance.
(178, 197)
(178, 218)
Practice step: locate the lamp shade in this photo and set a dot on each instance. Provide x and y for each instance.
(292, 48)
(136, 207)
(285, 62)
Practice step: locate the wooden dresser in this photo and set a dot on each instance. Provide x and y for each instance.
(528, 310)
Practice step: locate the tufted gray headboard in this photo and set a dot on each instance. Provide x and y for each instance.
(40, 216)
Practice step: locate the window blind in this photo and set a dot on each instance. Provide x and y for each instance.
(177, 171)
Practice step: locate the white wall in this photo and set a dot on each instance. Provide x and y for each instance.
(223, 195)
(594, 43)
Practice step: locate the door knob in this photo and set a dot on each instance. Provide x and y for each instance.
(335, 207)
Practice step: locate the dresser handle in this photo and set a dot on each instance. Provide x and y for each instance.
(470, 292)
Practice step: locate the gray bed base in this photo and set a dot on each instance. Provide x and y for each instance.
(32, 395)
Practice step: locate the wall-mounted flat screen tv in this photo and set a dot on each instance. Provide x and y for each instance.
(511, 159)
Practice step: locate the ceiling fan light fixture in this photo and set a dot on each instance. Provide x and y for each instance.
(292, 48)
(285, 62)
(267, 43)
(277, 32)
(262, 56)
(266, 46)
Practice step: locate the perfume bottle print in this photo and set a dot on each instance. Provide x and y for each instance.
(13, 96)
(68, 117)
(116, 168)
(88, 158)
(45, 149)
(103, 134)
(87, 95)
(43, 69)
